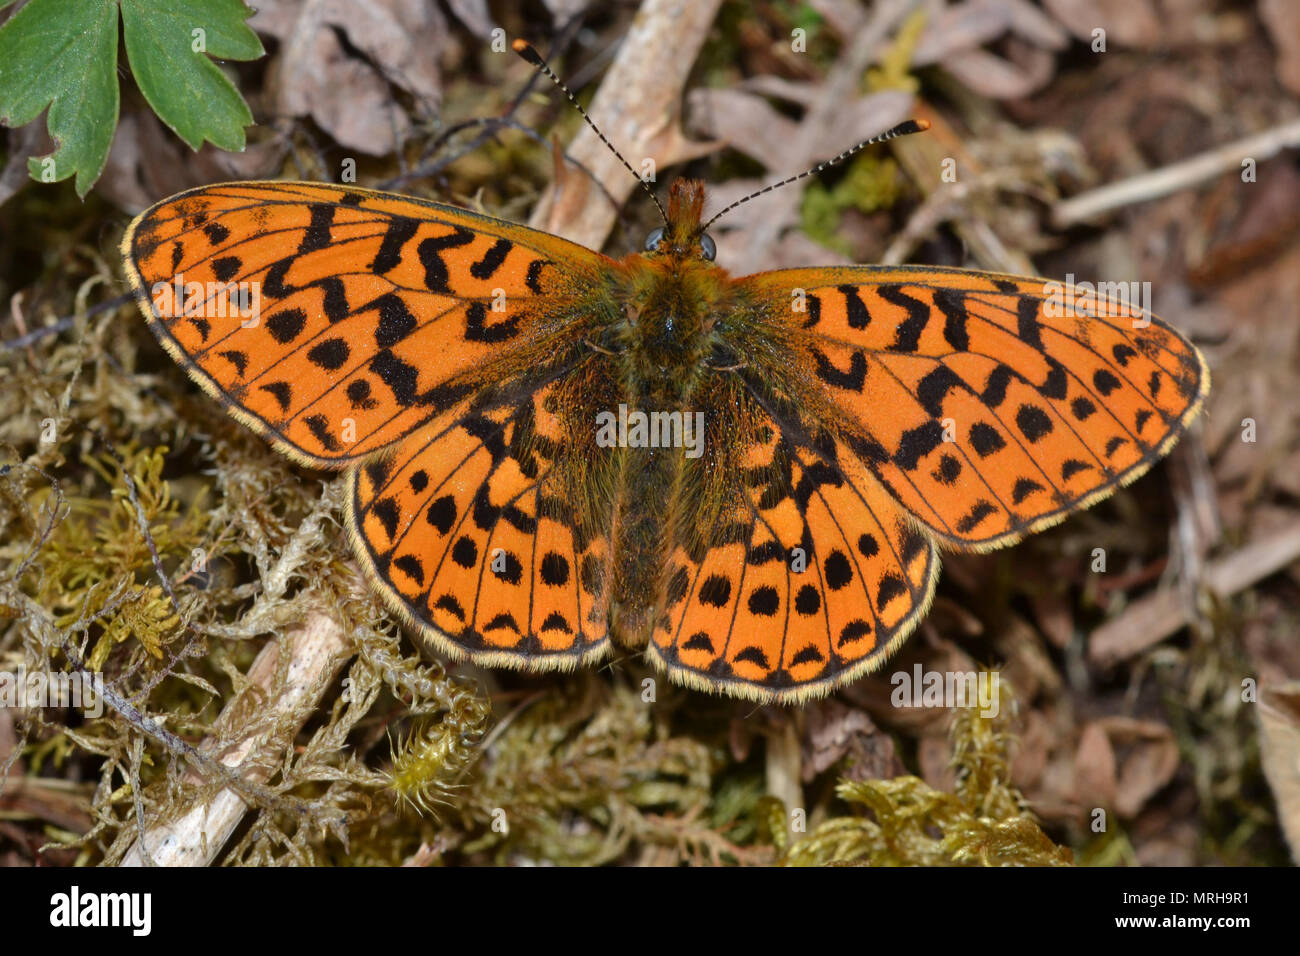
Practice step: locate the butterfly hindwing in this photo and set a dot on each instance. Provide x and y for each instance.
(469, 537)
(984, 414)
(811, 579)
(358, 315)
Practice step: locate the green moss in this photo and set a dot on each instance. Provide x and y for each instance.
(906, 822)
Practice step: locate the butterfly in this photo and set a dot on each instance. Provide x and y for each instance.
(549, 452)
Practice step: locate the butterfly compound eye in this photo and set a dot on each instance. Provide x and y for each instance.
(708, 248)
(652, 241)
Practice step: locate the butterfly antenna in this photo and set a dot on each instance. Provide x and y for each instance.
(902, 129)
(526, 50)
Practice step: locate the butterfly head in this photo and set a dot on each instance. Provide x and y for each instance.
(682, 236)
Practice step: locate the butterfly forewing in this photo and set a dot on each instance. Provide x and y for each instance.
(985, 415)
(357, 316)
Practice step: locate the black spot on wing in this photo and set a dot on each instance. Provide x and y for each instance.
(934, 387)
(716, 591)
(411, 566)
(852, 379)
(226, 267)
(916, 443)
(395, 320)
(907, 335)
(855, 309)
(699, 641)
(985, 439)
(1104, 381)
(442, 514)
(478, 329)
(952, 303)
(973, 518)
(330, 354)
(317, 234)
(286, 325)
(318, 425)
(486, 267)
(282, 392)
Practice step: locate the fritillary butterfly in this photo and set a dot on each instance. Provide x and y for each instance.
(496, 396)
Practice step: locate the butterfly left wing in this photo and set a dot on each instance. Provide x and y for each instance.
(364, 315)
(809, 577)
(984, 414)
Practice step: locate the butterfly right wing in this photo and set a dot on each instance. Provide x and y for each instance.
(985, 412)
(368, 313)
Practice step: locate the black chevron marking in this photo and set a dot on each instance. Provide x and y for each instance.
(398, 234)
(430, 252)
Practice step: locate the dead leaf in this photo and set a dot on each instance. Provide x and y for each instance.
(1148, 759)
(1282, 18)
(1279, 731)
(746, 121)
(1094, 768)
(1000, 79)
(147, 161)
(475, 15)
(29, 140)
(345, 94)
(834, 731)
(1055, 618)
(562, 11)
(934, 760)
(1131, 23)
(1030, 753)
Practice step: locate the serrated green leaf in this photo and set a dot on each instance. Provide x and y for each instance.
(185, 88)
(63, 54)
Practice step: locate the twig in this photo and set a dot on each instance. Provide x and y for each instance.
(823, 122)
(490, 125)
(1180, 175)
(637, 106)
(1150, 620)
(63, 324)
(316, 652)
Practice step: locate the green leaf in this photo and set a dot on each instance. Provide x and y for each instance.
(63, 54)
(168, 45)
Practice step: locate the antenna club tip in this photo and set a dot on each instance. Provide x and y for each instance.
(525, 49)
(921, 124)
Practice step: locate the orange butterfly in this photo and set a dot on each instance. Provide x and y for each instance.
(547, 449)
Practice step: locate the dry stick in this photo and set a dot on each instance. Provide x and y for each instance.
(1181, 175)
(637, 107)
(63, 324)
(317, 651)
(1153, 618)
(821, 119)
